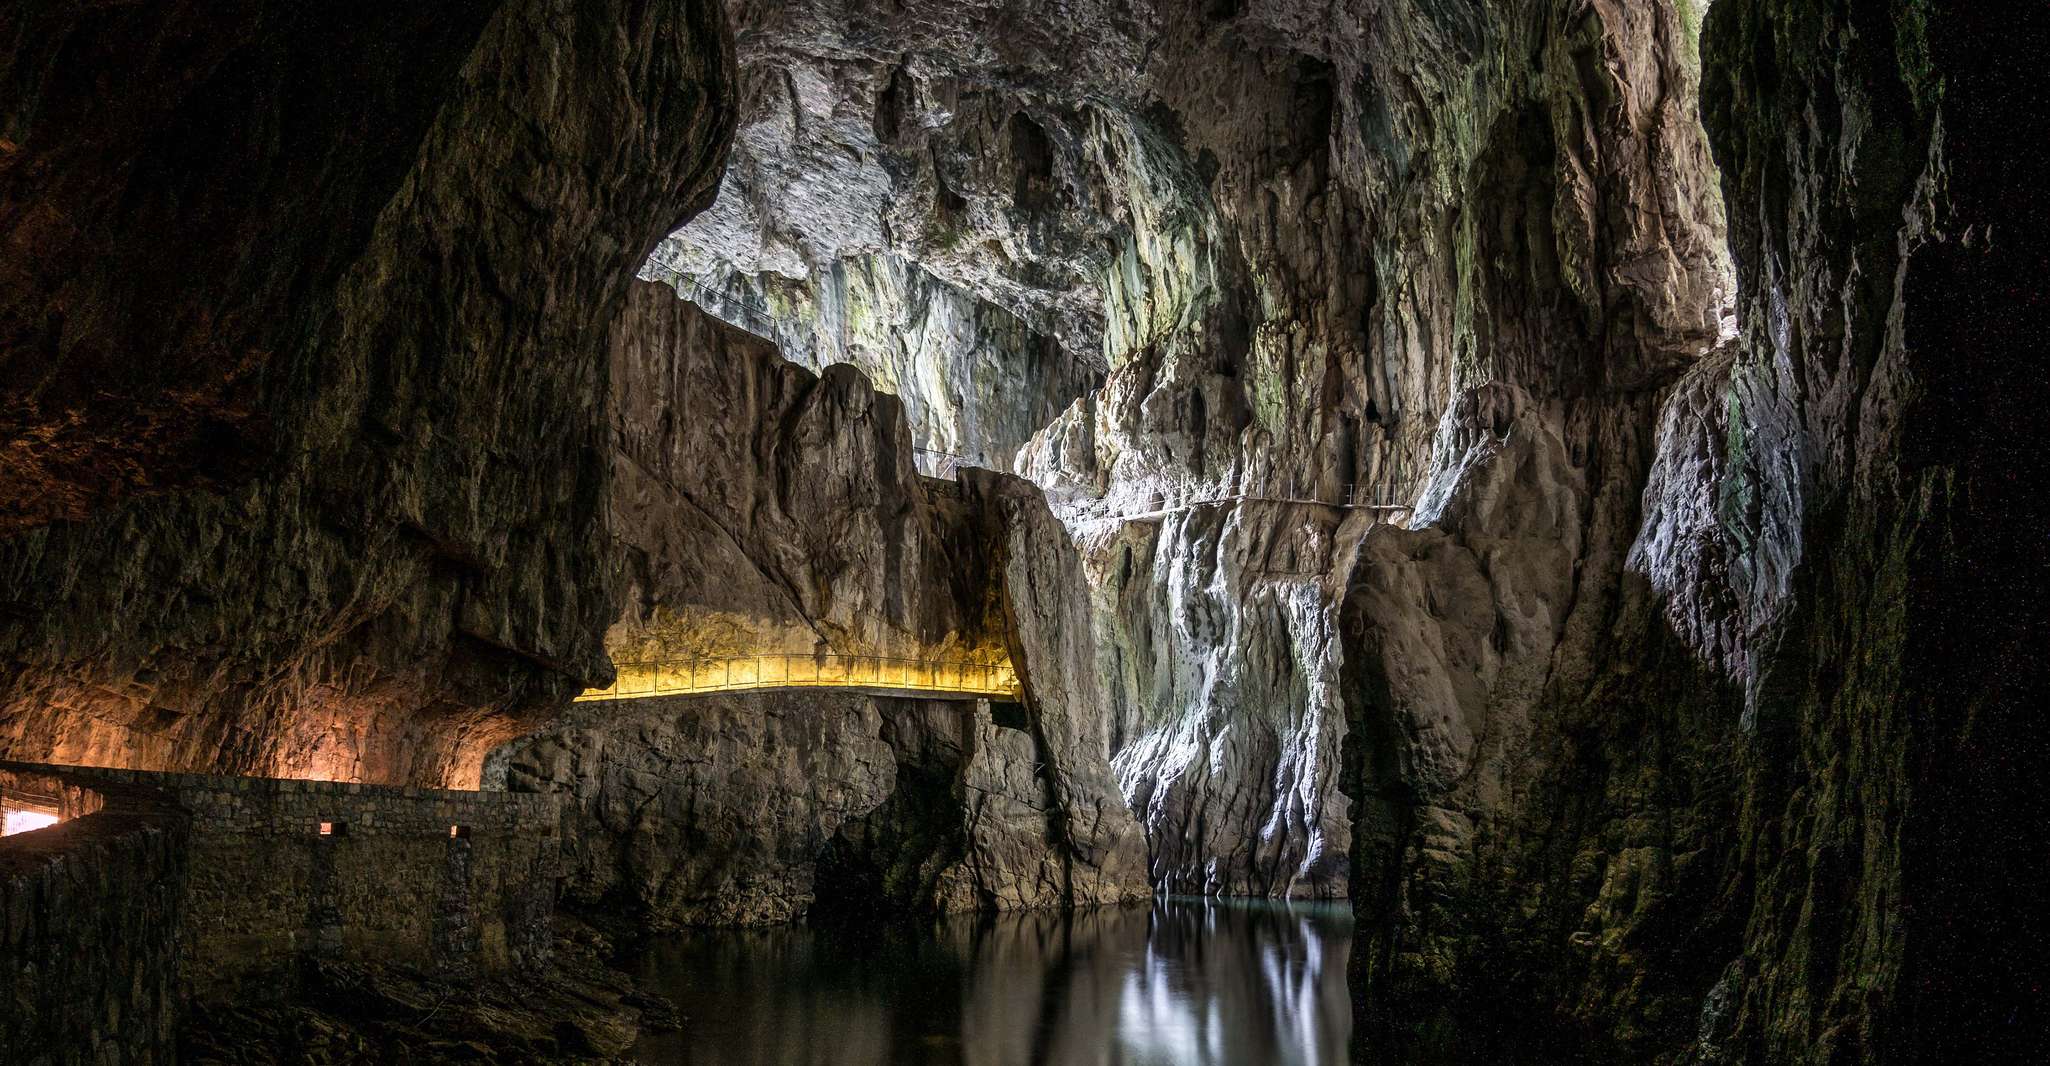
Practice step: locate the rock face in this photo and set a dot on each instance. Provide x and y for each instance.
(1725, 817)
(1259, 223)
(1670, 703)
(974, 379)
(304, 368)
(762, 508)
(1892, 318)
(157, 256)
(764, 807)
(707, 809)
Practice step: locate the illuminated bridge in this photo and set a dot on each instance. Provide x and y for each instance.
(684, 677)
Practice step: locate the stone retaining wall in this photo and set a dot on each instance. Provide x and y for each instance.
(90, 925)
(450, 882)
(179, 887)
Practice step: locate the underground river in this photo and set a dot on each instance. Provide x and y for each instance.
(1172, 983)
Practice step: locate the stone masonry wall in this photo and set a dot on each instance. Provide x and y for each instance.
(391, 884)
(90, 914)
(447, 882)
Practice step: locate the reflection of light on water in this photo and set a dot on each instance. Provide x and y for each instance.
(1177, 983)
(1229, 986)
(19, 821)
(1306, 990)
(1155, 1022)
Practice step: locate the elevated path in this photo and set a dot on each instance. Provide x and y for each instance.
(1192, 502)
(883, 674)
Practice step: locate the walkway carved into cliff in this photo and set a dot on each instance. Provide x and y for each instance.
(684, 677)
(1190, 501)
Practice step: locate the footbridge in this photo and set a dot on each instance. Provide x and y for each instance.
(872, 673)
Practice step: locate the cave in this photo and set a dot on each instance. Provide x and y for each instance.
(1190, 532)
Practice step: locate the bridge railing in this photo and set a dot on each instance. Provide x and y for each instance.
(935, 463)
(680, 677)
(729, 306)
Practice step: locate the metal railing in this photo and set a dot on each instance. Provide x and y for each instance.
(1355, 498)
(22, 811)
(727, 305)
(938, 464)
(682, 677)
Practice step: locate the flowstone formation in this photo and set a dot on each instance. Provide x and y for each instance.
(304, 320)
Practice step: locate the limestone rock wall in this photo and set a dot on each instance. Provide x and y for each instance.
(1453, 221)
(1711, 466)
(1291, 240)
(705, 810)
(1888, 386)
(1723, 818)
(975, 380)
(765, 807)
(1041, 590)
(157, 256)
(305, 378)
(759, 507)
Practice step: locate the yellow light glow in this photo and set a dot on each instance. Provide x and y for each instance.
(19, 821)
(686, 676)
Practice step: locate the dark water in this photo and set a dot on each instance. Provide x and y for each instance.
(1174, 983)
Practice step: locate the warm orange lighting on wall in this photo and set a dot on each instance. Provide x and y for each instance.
(327, 829)
(332, 765)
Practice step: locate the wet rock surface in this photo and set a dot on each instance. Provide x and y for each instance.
(1890, 713)
(1703, 830)
(699, 810)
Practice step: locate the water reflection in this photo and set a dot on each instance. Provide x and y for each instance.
(1176, 983)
